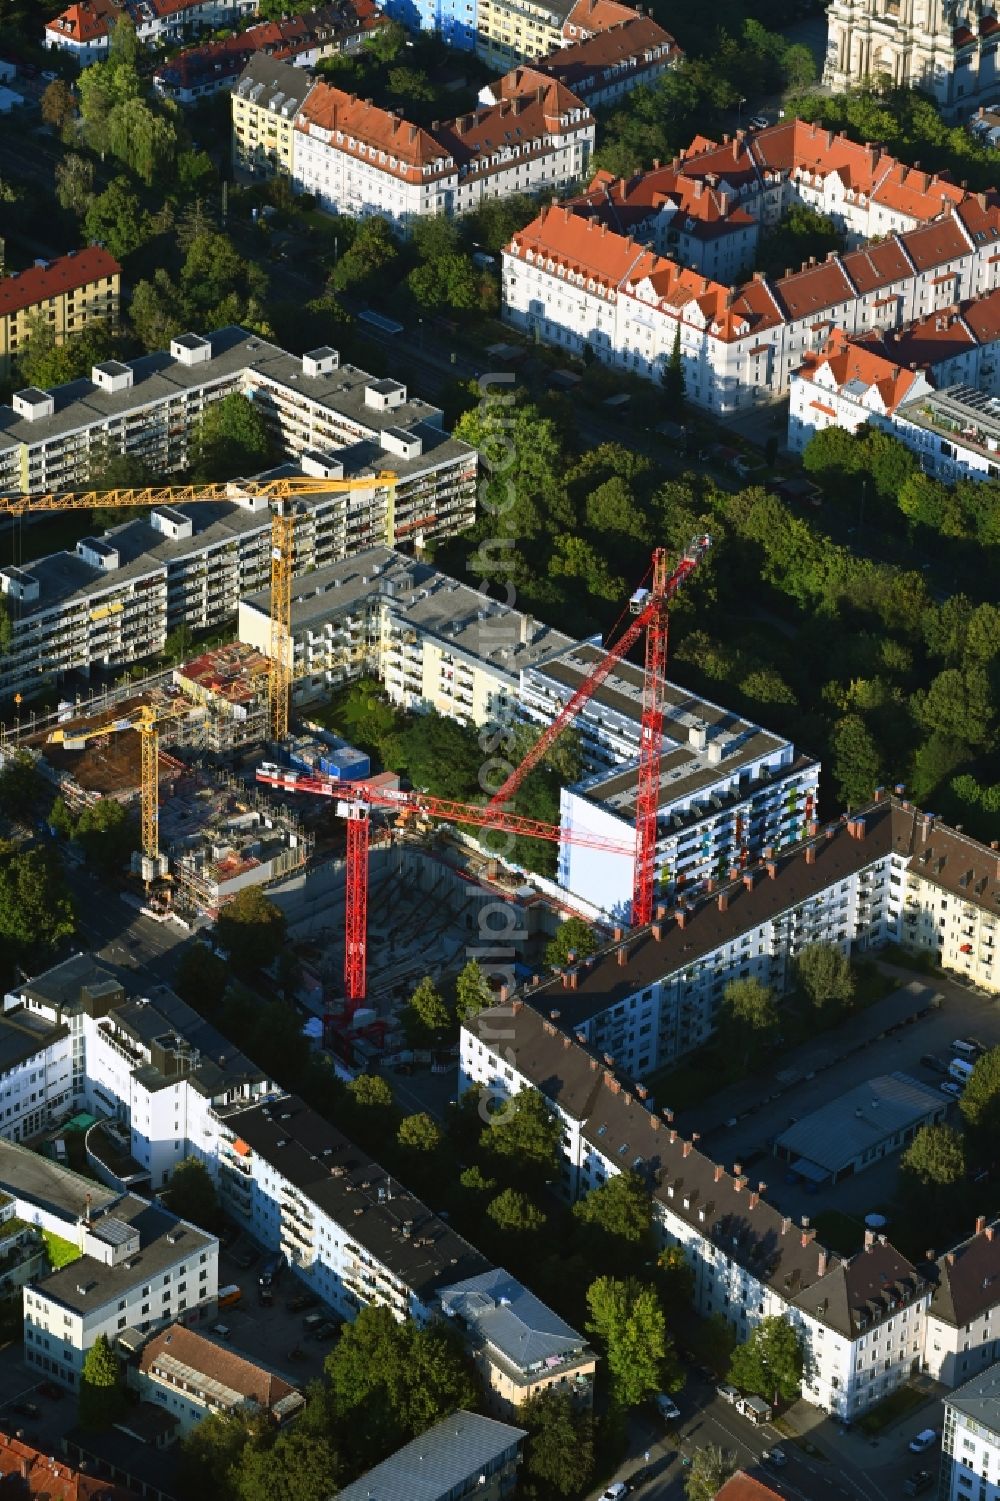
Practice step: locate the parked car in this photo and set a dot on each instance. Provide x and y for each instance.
(301, 1302)
(27, 1409)
(615, 1491)
(51, 1390)
(666, 1407)
(265, 1296)
(924, 1440)
(937, 1065)
(221, 1331)
(326, 1330)
(776, 1457)
(918, 1482)
(948, 1088)
(728, 1393)
(758, 122)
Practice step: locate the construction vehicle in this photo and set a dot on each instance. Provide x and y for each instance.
(355, 800)
(280, 494)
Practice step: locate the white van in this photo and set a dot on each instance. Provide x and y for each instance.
(960, 1071)
(963, 1049)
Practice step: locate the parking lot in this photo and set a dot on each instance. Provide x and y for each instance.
(270, 1334)
(826, 1068)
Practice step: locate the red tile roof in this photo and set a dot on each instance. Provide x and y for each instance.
(590, 16)
(47, 1479)
(86, 21)
(251, 1381)
(848, 360)
(24, 289)
(814, 289)
(578, 246)
(876, 266)
(413, 148)
(640, 41)
(743, 1487)
(624, 203)
(941, 335)
(931, 245)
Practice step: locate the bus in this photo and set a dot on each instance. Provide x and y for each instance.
(387, 326)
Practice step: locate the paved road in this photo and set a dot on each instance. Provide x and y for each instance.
(844, 1466)
(117, 932)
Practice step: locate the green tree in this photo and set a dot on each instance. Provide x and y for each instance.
(61, 819)
(708, 1472)
(857, 761)
(472, 992)
(420, 1133)
(102, 1393)
(21, 785)
(232, 440)
(370, 1092)
(142, 139)
(210, 1454)
(107, 833)
(201, 978)
(427, 1008)
(801, 232)
(769, 1362)
(441, 756)
(824, 976)
(575, 937)
(627, 1319)
(387, 43)
(515, 1212)
(525, 1132)
(192, 1194)
(932, 1169)
(559, 1454)
(799, 66)
(35, 906)
(673, 376)
(298, 1466)
(123, 43)
(961, 706)
(621, 1208)
(115, 218)
(832, 456)
(748, 1020)
(474, 1180)
(369, 261)
(980, 1102)
(252, 931)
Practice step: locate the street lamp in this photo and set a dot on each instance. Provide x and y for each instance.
(739, 110)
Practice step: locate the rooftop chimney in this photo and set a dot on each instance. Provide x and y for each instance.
(821, 1264)
(869, 1239)
(686, 1149)
(722, 900)
(980, 1224)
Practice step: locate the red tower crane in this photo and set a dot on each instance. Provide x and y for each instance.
(358, 799)
(650, 611)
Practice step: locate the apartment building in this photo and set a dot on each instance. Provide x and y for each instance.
(332, 30)
(970, 1444)
(529, 134)
(115, 599)
(963, 1321)
(192, 1377)
(861, 1319)
(434, 643)
(728, 788)
(453, 20)
(949, 50)
(139, 1268)
(83, 29)
(509, 32)
(36, 1085)
(66, 294)
(464, 1456)
(954, 430)
(354, 1234)
(146, 1062)
(604, 66)
(265, 101)
(520, 1348)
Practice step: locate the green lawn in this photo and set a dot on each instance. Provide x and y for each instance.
(61, 1252)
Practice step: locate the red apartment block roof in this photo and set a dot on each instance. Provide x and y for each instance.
(86, 21)
(849, 361)
(640, 39)
(47, 1479)
(590, 16)
(743, 1487)
(624, 203)
(334, 109)
(23, 289)
(578, 246)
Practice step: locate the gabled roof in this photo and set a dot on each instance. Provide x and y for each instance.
(23, 289)
(852, 361)
(371, 128)
(181, 1353)
(528, 109)
(26, 1471)
(590, 16)
(639, 41)
(931, 245)
(814, 289)
(85, 21)
(967, 1278)
(744, 1487)
(577, 246)
(282, 39)
(864, 1291)
(505, 1314)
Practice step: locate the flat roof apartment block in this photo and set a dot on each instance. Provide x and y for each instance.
(115, 598)
(465, 1455)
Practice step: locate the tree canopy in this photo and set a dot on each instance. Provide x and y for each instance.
(769, 1362)
(627, 1319)
(251, 929)
(102, 1391)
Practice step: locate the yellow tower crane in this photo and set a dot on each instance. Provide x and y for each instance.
(146, 719)
(280, 495)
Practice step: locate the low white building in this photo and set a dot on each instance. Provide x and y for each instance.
(139, 1268)
(861, 1320)
(970, 1444)
(193, 1377)
(530, 135)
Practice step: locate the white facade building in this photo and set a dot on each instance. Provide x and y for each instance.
(354, 1234)
(970, 1444)
(573, 282)
(114, 600)
(83, 29)
(963, 1322)
(861, 1320)
(149, 1063)
(139, 1267)
(530, 135)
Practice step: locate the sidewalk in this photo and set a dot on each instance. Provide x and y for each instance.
(855, 1447)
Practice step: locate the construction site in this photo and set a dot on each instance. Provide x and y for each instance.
(166, 750)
